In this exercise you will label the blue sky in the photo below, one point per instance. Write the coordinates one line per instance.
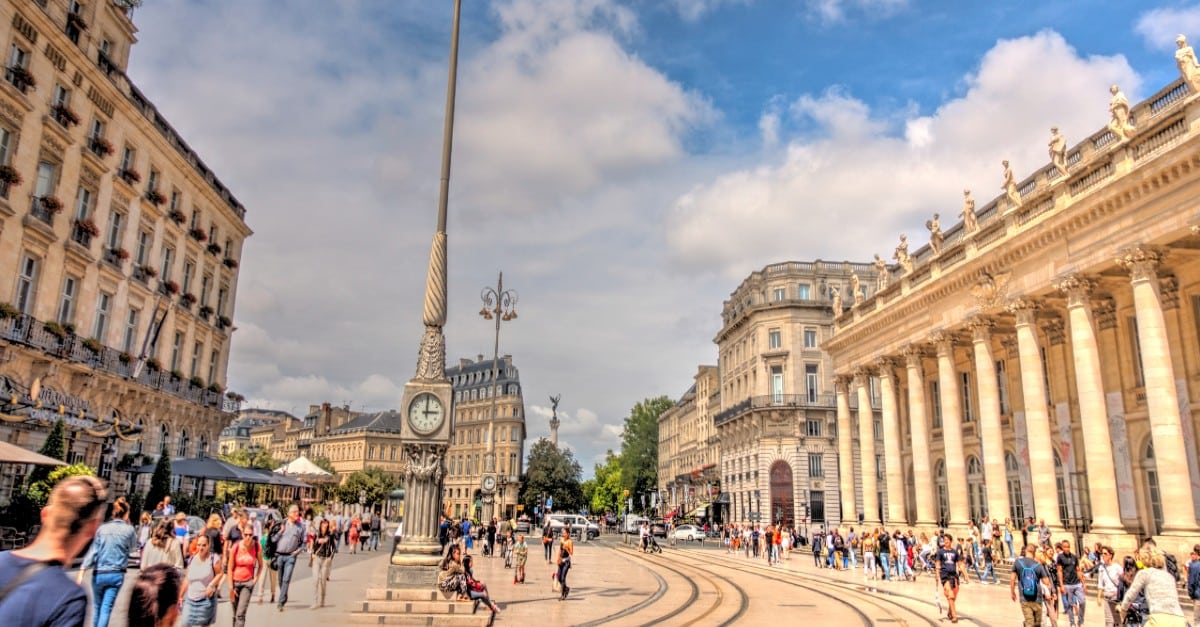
(626, 163)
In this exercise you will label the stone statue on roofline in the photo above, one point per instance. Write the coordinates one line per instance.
(901, 255)
(881, 273)
(1058, 151)
(837, 301)
(855, 289)
(970, 220)
(1189, 66)
(1010, 186)
(935, 234)
(1118, 107)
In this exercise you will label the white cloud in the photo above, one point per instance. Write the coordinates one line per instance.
(836, 10)
(692, 10)
(852, 179)
(1159, 27)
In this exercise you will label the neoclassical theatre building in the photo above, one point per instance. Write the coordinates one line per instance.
(109, 224)
(1040, 358)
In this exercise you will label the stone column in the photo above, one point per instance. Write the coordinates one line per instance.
(1162, 401)
(952, 437)
(897, 511)
(845, 451)
(866, 449)
(1093, 410)
(919, 428)
(1037, 419)
(991, 435)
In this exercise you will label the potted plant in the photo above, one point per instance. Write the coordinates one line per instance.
(188, 299)
(125, 357)
(9, 175)
(93, 345)
(8, 311)
(223, 321)
(216, 387)
(65, 115)
(149, 271)
(101, 146)
(205, 311)
(213, 248)
(171, 287)
(55, 329)
(230, 263)
(21, 77)
(120, 253)
(51, 204)
(153, 365)
(196, 382)
(156, 197)
(176, 216)
(87, 226)
(234, 396)
(129, 175)
(198, 234)
(177, 375)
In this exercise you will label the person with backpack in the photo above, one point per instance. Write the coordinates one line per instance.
(839, 547)
(1160, 588)
(1025, 585)
(1193, 584)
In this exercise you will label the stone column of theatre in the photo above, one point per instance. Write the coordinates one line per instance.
(919, 426)
(991, 435)
(1093, 411)
(896, 510)
(1162, 402)
(956, 461)
(866, 451)
(845, 452)
(1037, 420)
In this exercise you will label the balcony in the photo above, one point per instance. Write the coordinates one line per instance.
(45, 208)
(115, 257)
(106, 64)
(776, 401)
(60, 343)
(20, 78)
(140, 275)
(82, 232)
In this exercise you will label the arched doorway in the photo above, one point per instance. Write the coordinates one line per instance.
(782, 495)
(976, 497)
(943, 494)
(1153, 495)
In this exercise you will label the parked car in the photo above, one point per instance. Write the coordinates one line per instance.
(524, 524)
(687, 532)
(658, 528)
(577, 524)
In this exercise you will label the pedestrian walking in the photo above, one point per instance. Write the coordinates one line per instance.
(565, 552)
(145, 528)
(201, 581)
(244, 569)
(1160, 588)
(1025, 585)
(268, 552)
(951, 573)
(521, 551)
(162, 548)
(155, 598)
(868, 547)
(107, 559)
(288, 541)
(1070, 577)
(38, 593)
(376, 529)
(548, 542)
(321, 551)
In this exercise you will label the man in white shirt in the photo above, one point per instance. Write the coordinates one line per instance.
(644, 535)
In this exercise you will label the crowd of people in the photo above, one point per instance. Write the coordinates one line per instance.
(182, 571)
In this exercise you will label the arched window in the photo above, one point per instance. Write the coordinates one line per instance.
(164, 438)
(1012, 475)
(202, 450)
(976, 496)
(1152, 490)
(181, 450)
(943, 494)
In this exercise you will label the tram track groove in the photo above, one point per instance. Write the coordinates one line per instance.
(708, 576)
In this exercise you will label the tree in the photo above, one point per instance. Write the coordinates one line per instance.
(639, 446)
(606, 495)
(244, 457)
(371, 485)
(552, 472)
(56, 447)
(160, 481)
(39, 492)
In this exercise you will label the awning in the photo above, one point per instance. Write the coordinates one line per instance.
(12, 454)
(700, 512)
(217, 470)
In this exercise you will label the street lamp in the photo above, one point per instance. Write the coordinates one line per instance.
(501, 305)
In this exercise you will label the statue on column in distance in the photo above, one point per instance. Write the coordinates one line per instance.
(970, 220)
(935, 234)
(881, 273)
(1118, 107)
(1189, 66)
(901, 255)
(1058, 151)
(1010, 186)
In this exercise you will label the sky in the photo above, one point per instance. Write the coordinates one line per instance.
(625, 163)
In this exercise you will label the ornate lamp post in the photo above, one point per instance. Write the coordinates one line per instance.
(500, 305)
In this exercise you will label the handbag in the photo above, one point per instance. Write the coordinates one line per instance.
(274, 563)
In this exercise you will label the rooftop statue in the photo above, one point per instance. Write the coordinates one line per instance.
(856, 288)
(1058, 151)
(881, 273)
(1119, 108)
(837, 301)
(935, 234)
(901, 255)
(1010, 186)
(1189, 66)
(970, 220)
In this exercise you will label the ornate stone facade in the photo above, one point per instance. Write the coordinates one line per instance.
(688, 475)
(1052, 357)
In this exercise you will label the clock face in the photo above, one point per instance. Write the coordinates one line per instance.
(426, 413)
(489, 483)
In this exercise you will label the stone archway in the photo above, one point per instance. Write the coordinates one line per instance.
(783, 499)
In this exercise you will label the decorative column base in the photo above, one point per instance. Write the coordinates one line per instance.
(415, 565)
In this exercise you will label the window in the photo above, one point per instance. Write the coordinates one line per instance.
(204, 283)
(811, 382)
(152, 181)
(1138, 374)
(877, 430)
(189, 269)
(222, 295)
(62, 96)
(5, 150)
(780, 294)
(174, 205)
(127, 158)
(73, 29)
(810, 338)
(936, 400)
(18, 68)
(966, 397)
(27, 284)
(116, 225)
(212, 232)
(1002, 386)
(195, 223)
(143, 247)
(83, 203)
(103, 304)
(774, 339)
(131, 323)
(197, 349)
(813, 428)
(802, 291)
(66, 306)
(777, 383)
(176, 348)
(880, 471)
(97, 130)
(516, 431)
(816, 466)
(45, 180)
(213, 359)
(181, 452)
(168, 255)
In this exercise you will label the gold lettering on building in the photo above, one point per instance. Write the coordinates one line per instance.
(56, 57)
(25, 28)
(102, 103)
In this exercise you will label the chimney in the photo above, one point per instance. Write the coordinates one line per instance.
(480, 358)
(323, 423)
(463, 363)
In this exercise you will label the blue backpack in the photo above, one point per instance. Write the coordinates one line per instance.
(1029, 580)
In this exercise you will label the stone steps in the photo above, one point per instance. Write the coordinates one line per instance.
(406, 606)
(429, 620)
